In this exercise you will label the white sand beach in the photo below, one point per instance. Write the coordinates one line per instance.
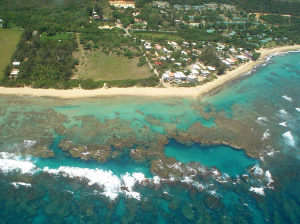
(155, 92)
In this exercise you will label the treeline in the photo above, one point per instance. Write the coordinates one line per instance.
(88, 84)
(42, 15)
(209, 57)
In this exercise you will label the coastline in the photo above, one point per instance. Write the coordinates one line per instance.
(193, 92)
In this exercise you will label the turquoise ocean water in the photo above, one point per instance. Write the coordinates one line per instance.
(232, 157)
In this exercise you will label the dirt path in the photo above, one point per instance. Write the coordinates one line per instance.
(80, 47)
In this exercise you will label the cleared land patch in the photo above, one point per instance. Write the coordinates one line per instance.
(99, 66)
(8, 41)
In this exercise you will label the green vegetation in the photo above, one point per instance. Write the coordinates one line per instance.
(99, 66)
(8, 41)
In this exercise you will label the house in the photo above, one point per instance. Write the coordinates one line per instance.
(210, 68)
(158, 63)
(226, 62)
(195, 72)
(248, 54)
(187, 7)
(179, 76)
(196, 67)
(233, 51)
(173, 59)
(158, 48)
(192, 78)
(96, 16)
(165, 77)
(16, 63)
(178, 63)
(230, 61)
(196, 8)
(205, 72)
(242, 57)
(228, 7)
(135, 14)
(166, 51)
(178, 7)
(211, 6)
(178, 21)
(147, 47)
(183, 53)
(106, 19)
(174, 43)
(185, 44)
(14, 72)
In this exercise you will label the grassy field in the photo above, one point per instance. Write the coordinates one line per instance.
(8, 41)
(171, 37)
(98, 66)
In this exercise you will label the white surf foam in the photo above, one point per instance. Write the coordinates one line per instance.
(258, 190)
(266, 135)
(287, 98)
(10, 165)
(17, 184)
(261, 119)
(283, 124)
(288, 138)
(297, 109)
(112, 185)
(269, 179)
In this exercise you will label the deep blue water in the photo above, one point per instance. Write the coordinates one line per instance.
(189, 183)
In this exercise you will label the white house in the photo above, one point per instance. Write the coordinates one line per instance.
(165, 77)
(230, 61)
(178, 63)
(195, 72)
(210, 68)
(192, 78)
(196, 67)
(183, 53)
(174, 43)
(226, 62)
(16, 63)
(179, 75)
(205, 72)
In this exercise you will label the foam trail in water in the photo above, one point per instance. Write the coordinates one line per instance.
(287, 98)
(266, 135)
(17, 184)
(289, 139)
(258, 190)
(283, 124)
(297, 109)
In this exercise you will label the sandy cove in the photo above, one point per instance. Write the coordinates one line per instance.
(193, 92)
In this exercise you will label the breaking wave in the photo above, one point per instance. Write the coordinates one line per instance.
(288, 138)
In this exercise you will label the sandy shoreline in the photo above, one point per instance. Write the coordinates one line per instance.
(193, 92)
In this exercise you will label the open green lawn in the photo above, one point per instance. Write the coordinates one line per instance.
(170, 36)
(8, 41)
(58, 36)
(99, 66)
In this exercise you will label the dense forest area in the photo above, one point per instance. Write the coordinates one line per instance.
(53, 16)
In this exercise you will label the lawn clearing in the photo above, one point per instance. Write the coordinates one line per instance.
(9, 39)
(99, 66)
